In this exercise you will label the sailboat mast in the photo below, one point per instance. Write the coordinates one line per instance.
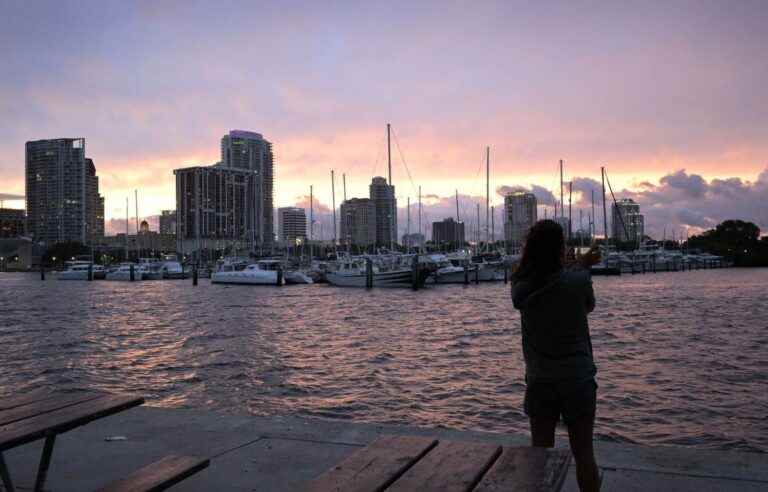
(562, 212)
(592, 218)
(393, 210)
(570, 219)
(487, 193)
(408, 224)
(344, 183)
(311, 213)
(605, 209)
(457, 220)
(478, 237)
(126, 228)
(333, 206)
(493, 228)
(420, 231)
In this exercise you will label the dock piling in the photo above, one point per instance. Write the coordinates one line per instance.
(368, 273)
(415, 272)
(42, 271)
(466, 275)
(194, 275)
(133, 274)
(279, 276)
(90, 272)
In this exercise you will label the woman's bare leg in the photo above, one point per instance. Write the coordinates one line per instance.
(580, 435)
(543, 431)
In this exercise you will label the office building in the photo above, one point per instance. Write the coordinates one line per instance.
(249, 150)
(291, 224)
(62, 192)
(519, 216)
(358, 222)
(12, 222)
(385, 205)
(448, 231)
(627, 223)
(218, 207)
(167, 222)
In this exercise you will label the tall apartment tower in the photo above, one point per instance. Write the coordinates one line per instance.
(95, 204)
(627, 223)
(385, 204)
(62, 192)
(217, 206)
(519, 215)
(250, 151)
(358, 222)
(291, 224)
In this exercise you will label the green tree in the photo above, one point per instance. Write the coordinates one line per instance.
(736, 240)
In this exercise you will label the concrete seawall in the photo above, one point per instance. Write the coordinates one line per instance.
(280, 453)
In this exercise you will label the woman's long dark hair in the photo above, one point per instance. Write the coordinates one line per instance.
(542, 254)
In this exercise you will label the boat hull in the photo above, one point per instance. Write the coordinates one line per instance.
(399, 278)
(295, 277)
(239, 278)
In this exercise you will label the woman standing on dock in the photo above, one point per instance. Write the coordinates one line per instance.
(554, 299)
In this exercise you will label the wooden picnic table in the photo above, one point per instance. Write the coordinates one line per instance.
(45, 415)
(411, 463)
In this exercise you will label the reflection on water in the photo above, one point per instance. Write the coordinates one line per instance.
(682, 356)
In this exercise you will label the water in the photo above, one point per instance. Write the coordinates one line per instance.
(681, 356)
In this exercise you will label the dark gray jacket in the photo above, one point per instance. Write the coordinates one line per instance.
(556, 342)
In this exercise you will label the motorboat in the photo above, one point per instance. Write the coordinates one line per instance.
(173, 270)
(446, 272)
(152, 269)
(297, 277)
(78, 270)
(264, 272)
(386, 272)
(123, 272)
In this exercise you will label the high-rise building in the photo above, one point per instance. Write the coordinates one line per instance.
(627, 223)
(448, 231)
(385, 204)
(519, 216)
(11, 222)
(95, 203)
(291, 224)
(217, 207)
(168, 222)
(249, 150)
(358, 222)
(62, 190)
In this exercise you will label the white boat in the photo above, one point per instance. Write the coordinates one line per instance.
(297, 277)
(351, 272)
(78, 270)
(172, 269)
(123, 272)
(260, 273)
(446, 271)
(152, 269)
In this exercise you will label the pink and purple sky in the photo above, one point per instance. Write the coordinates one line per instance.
(672, 97)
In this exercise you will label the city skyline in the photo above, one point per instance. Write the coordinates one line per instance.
(647, 91)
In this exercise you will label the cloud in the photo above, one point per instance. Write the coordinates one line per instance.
(543, 195)
(303, 201)
(688, 201)
(11, 196)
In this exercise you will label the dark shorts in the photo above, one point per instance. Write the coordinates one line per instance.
(566, 398)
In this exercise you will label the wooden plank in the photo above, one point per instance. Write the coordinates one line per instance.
(64, 419)
(453, 466)
(159, 475)
(374, 467)
(26, 399)
(527, 469)
(44, 406)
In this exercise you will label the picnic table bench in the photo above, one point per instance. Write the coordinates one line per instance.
(45, 415)
(411, 463)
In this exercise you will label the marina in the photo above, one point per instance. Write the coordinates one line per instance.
(680, 355)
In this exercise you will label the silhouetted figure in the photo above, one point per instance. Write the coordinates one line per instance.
(554, 298)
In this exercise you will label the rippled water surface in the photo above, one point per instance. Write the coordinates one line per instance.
(681, 356)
